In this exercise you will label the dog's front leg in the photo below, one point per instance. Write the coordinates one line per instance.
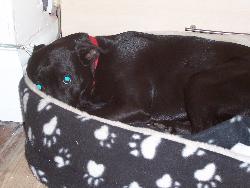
(126, 114)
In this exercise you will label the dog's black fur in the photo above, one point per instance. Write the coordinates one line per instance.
(183, 82)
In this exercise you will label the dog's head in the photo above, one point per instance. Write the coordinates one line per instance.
(64, 69)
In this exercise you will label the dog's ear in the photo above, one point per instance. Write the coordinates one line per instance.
(88, 56)
(36, 48)
(92, 55)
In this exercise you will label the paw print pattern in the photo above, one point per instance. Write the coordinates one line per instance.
(134, 184)
(237, 118)
(43, 104)
(94, 173)
(25, 99)
(82, 118)
(189, 150)
(167, 182)
(31, 137)
(106, 139)
(63, 158)
(207, 176)
(39, 174)
(146, 148)
(210, 141)
(25, 90)
(245, 166)
(51, 132)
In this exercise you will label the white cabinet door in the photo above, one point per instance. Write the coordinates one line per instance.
(114, 16)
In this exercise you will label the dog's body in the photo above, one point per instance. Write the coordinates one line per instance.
(186, 83)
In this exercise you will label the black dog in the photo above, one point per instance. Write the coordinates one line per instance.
(183, 82)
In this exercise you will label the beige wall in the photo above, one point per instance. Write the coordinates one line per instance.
(114, 16)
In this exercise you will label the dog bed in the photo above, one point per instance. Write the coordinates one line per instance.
(68, 148)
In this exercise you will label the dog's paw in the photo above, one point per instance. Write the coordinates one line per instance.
(146, 147)
(51, 132)
(235, 119)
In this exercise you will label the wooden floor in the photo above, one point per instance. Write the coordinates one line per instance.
(14, 171)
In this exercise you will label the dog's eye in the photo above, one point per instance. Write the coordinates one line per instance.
(67, 79)
(39, 86)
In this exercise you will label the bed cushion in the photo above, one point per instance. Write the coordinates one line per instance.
(69, 148)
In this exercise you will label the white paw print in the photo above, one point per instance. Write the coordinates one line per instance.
(31, 137)
(207, 176)
(237, 118)
(39, 174)
(189, 150)
(44, 103)
(245, 166)
(94, 173)
(134, 184)
(167, 182)
(25, 99)
(210, 141)
(51, 132)
(146, 147)
(106, 139)
(63, 158)
(25, 90)
(82, 118)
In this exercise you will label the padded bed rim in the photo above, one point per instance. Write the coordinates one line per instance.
(145, 131)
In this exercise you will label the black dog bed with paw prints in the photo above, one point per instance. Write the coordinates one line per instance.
(69, 148)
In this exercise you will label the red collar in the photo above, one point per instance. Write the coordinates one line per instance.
(94, 42)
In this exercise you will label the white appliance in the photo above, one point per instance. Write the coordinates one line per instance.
(22, 23)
